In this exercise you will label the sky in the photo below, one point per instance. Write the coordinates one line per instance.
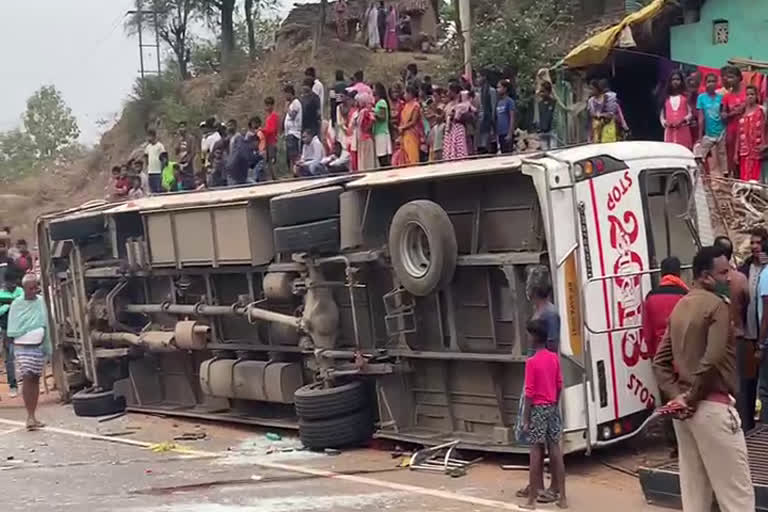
(77, 45)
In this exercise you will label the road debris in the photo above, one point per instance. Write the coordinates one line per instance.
(105, 419)
(272, 436)
(440, 458)
(191, 436)
(118, 433)
(332, 451)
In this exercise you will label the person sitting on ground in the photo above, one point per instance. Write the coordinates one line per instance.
(10, 292)
(28, 327)
(137, 191)
(312, 154)
(541, 413)
(338, 161)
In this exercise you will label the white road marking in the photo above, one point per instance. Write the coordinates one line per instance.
(424, 491)
(10, 431)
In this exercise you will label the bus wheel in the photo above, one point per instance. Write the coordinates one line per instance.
(353, 429)
(422, 245)
(93, 403)
(315, 402)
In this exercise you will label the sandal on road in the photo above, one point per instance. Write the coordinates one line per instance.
(547, 497)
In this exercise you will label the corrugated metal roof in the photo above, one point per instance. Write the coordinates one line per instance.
(439, 170)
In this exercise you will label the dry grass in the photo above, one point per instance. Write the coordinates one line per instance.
(72, 184)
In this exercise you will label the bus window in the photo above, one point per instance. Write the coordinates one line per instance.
(666, 196)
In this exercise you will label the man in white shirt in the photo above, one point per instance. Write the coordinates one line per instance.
(312, 155)
(292, 126)
(152, 159)
(210, 137)
(317, 88)
(338, 161)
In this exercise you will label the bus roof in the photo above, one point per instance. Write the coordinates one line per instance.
(437, 170)
(624, 151)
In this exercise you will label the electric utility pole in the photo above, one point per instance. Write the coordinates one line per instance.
(466, 28)
(140, 13)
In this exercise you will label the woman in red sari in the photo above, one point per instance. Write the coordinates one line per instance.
(751, 137)
(733, 108)
(676, 115)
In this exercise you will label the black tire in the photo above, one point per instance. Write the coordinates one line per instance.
(103, 403)
(317, 237)
(351, 430)
(313, 402)
(418, 272)
(305, 206)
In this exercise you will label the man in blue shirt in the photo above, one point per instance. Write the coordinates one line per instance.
(711, 128)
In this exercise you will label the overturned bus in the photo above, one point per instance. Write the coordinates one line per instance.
(389, 303)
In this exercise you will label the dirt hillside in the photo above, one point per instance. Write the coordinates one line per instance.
(69, 185)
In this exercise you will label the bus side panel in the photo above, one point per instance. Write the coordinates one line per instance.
(616, 242)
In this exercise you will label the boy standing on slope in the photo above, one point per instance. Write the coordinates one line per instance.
(541, 414)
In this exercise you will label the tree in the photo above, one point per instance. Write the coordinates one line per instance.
(173, 17)
(224, 11)
(520, 39)
(254, 10)
(50, 123)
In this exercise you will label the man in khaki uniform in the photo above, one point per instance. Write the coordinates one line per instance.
(696, 364)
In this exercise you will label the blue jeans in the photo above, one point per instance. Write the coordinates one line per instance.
(10, 367)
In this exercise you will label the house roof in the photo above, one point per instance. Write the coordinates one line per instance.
(595, 49)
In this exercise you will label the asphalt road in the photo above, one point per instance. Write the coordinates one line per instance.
(81, 464)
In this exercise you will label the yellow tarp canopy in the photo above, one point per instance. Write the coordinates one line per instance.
(595, 49)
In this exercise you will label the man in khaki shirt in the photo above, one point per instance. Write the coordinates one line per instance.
(696, 364)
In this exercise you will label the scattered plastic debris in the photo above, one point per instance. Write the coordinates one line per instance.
(272, 436)
(190, 436)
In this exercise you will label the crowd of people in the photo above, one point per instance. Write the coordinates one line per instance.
(711, 364)
(384, 27)
(717, 116)
(351, 126)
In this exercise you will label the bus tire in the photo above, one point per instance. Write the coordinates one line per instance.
(305, 206)
(350, 430)
(93, 403)
(314, 402)
(422, 246)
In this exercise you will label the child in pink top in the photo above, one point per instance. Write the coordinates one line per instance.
(541, 415)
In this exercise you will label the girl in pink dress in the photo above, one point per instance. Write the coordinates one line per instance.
(676, 116)
(751, 129)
